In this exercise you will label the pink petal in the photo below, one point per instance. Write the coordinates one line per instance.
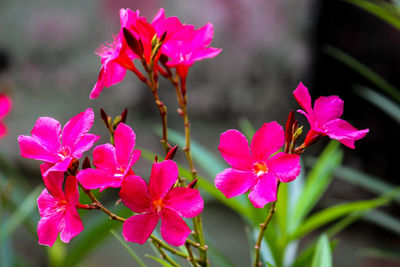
(232, 182)
(174, 230)
(267, 140)
(77, 127)
(104, 157)
(60, 166)
(134, 194)
(48, 133)
(48, 226)
(135, 156)
(169, 25)
(99, 86)
(53, 181)
(71, 224)
(3, 130)
(235, 150)
(208, 52)
(342, 131)
(163, 177)
(5, 105)
(159, 16)
(113, 73)
(84, 144)
(285, 167)
(186, 202)
(203, 36)
(124, 138)
(264, 191)
(31, 148)
(303, 98)
(97, 178)
(327, 108)
(71, 190)
(138, 228)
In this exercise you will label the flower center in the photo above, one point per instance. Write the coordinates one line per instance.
(158, 205)
(64, 152)
(260, 168)
(120, 172)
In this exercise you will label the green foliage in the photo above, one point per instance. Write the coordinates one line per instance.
(322, 255)
(135, 257)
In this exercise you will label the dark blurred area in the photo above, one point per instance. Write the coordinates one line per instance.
(48, 67)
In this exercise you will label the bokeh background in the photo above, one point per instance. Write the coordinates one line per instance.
(48, 68)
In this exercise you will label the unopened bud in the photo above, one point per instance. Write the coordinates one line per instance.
(117, 121)
(104, 117)
(192, 184)
(124, 114)
(154, 41)
(289, 127)
(180, 112)
(133, 43)
(162, 38)
(86, 164)
(171, 152)
(155, 159)
(297, 133)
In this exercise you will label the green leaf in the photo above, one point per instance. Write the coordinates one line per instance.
(318, 180)
(22, 212)
(306, 256)
(128, 248)
(332, 213)
(384, 220)
(93, 236)
(382, 10)
(208, 162)
(266, 252)
(56, 253)
(380, 253)
(364, 71)
(385, 104)
(323, 255)
(162, 262)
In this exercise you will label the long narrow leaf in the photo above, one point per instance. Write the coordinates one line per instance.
(384, 220)
(23, 211)
(323, 255)
(364, 71)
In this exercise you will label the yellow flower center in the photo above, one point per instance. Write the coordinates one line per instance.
(158, 205)
(260, 168)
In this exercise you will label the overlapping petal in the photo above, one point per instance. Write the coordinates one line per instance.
(186, 202)
(104, 157)
(267, 140)
(134, 194)
(327, 108)
(124, 143)
(71, 225)
(235, 150)
(174, 230)
(31, 148)
(264, 191)
(163, 177)
(47, 131)
(139, 227)
(97, 178)
(77, 127)
(233, 182)
(285, 167)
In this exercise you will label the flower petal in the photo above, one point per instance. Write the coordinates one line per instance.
(124, 138)
(53, 180)
(104, 157)
(60, 166)
(285, 167)
(84, 144)
(232, 182)
(174, 230)
(76, 127)
(71, 225)
(31, 148)
(138, 228)
(235, 150)
(71, 190)
(163, 177)
(267, 140)
(3, 129)
(327, 108)
(48, 226)
(264, 191)
(186, 202)
(134, 194)
(97, 178)
(342, 131)
(5, 105)
(48, 132)
(303, 98)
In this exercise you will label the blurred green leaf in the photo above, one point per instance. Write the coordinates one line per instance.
(332, 213)
(383, 10)
(385, 104)
(317, 181)
(56, 253)
(384, 220)
(265, 250)
(306, 256)
(380, 253)
(162, 262)
(128, 248)
(93, 236)
(323, 255)
(217, 257)
(23, 211)
(247, 128)
(364, 71)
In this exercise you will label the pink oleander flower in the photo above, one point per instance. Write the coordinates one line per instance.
(5, 107)
(59, 147)
(58, 209)
(324, 118)
(257, 169)
(112, 164)
(188, 45)
(159, 199)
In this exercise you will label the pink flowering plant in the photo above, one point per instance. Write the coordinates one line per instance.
(265, 175)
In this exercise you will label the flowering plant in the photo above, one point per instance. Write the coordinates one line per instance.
(266, 168)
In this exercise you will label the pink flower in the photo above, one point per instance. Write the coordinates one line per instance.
(324, 118)
(57, 209)
(113, 164)
(5, 107)
(188, 45)
(159, 199)
(257, 169)
(48, 143)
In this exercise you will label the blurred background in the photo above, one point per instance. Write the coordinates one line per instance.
(48, 68)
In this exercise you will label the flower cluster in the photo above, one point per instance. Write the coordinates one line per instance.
(180, 45)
